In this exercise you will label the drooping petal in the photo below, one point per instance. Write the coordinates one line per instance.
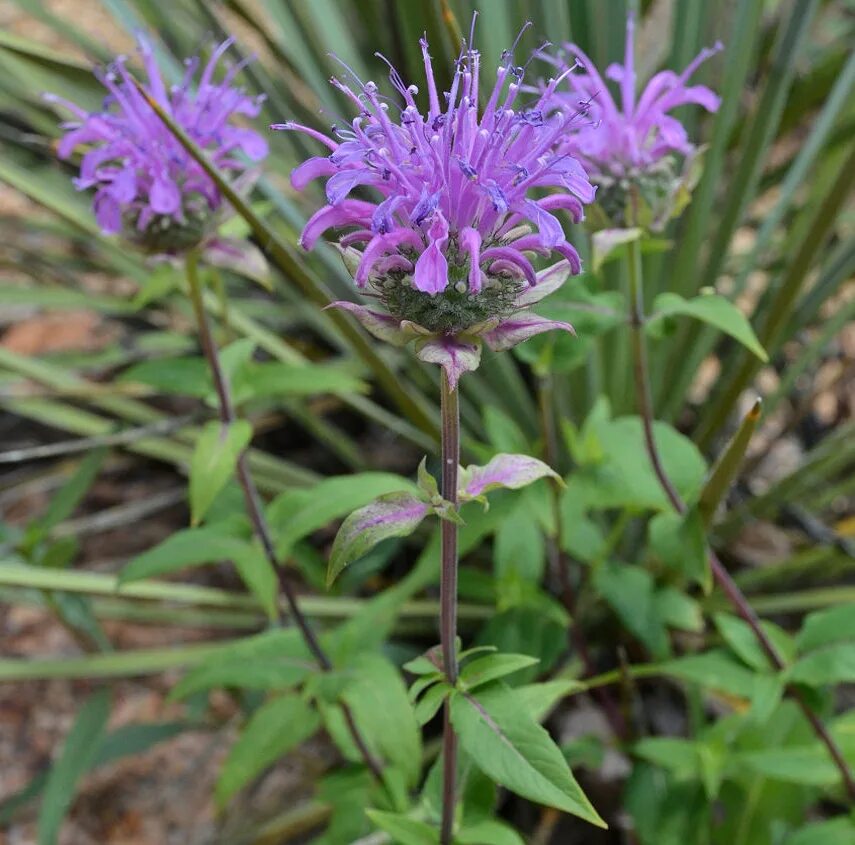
(455, 355)
(513, 257)
(108, 212)
(311, 169)
(346, 213)
(431, 275)
(378, 246)
(164, 197)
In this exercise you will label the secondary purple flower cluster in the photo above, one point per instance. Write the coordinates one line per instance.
(148, 185)
(639, 132)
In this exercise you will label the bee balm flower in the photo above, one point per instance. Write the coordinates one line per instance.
(631, 143)
(147, 185)
(446, 242)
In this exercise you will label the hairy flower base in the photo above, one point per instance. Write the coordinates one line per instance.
(459, 352)
(646, 196)
(163, 235)
(454, 309)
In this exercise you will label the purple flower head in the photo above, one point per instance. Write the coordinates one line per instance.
(639, 131)
(634, 139)
(147, 185)
(447, 240)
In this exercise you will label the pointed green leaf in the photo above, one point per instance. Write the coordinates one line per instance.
(279, 725)
(213, 462)
(492, 667)
(78, 753)
(431, 701)
(403, 829)
(488, 832)
(708, 308)
(496, 730)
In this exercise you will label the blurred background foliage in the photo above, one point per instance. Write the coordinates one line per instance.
(104, 394)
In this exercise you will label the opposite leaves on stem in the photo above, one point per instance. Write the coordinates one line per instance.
(399, 514)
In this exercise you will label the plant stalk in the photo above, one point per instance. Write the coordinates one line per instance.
(720, 574)
(253, 500)
(450, 413)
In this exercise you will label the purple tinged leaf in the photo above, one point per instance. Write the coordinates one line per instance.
(504, 470)
(520, 327)
(548, 281)
(392, 515)
(383, 326)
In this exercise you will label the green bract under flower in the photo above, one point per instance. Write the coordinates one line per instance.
(453, 310)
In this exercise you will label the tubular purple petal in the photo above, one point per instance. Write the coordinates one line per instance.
(149, 176)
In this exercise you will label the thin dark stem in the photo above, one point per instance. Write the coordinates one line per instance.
(722, 577)
(253, 501)
(448, 597)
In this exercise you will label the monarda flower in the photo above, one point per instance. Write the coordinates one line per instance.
(148, 187)
(446, 240)
(630, 148)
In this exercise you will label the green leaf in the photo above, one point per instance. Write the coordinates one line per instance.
(282, 672)
(213, 463)
(617, 473)
(839, 831)
(713, 670)
(195, 546)
(278, 379)
(503, 431)
(743, 642)
(392, 515)
(181, 376)
(279, 725)
(708, 308)
(297, 513)
(429, 704)
(520, 550)
(834, 664)
(825, 627)
(382, 709)
(679, 756)
(497, 731)
(631, 592)
(807, 765)
(64, 502)
(680, 542)
(492, 667)
(159, 282)
(539, 699)
(78, 753)
(403, 829)
(727, 466)
(488, 832)
(679, 610)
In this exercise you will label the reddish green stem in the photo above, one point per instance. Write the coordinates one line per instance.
(450, 413)
(722, 577)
